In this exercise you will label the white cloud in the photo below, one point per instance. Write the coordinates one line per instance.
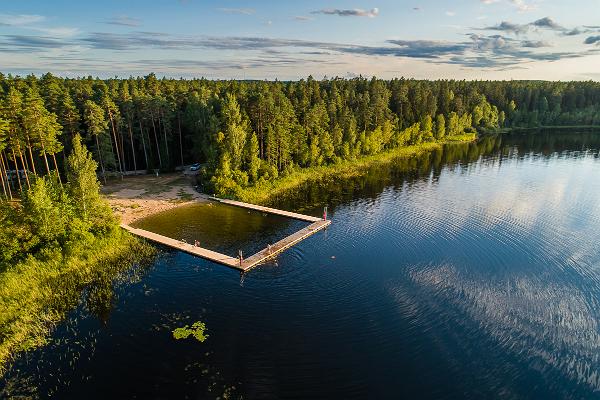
(355, 12)
(522, 6)
(244, 11)
(124, 20)
(20, 20)
(30, 22)
(58, 31)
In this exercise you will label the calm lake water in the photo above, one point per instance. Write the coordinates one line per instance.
(472, 272)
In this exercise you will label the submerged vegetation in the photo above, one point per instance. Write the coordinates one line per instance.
(58, 241)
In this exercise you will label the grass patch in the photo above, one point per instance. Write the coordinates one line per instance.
(465, 137)
(185, 196)
(37, 293)
(156, 189)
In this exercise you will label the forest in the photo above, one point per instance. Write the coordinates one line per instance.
(248, 132)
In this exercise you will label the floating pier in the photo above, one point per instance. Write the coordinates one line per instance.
(268, 210)
(240, 263)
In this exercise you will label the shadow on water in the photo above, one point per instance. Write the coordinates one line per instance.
(468, 272)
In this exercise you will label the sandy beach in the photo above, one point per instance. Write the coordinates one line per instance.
(136, 197)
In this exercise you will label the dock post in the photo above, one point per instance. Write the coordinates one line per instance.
(325, 214)
(241, 257)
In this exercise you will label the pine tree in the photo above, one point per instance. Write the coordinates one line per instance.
(427, 127)
(12, 110)
(3, 173)
(42, 127)
(97, 127)
(234, 130)
(84, 189)
(252, 159)
(440, 127)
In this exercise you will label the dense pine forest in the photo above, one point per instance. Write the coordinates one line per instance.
(246, 132)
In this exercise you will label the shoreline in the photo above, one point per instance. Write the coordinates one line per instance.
(30, 311)
(138, 197)
(263, 192)
(516, 129)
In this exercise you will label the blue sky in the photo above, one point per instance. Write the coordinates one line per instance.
(463, 39)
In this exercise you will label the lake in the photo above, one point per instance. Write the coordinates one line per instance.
(469, 272)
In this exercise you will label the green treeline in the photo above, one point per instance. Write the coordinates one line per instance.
(248, 132)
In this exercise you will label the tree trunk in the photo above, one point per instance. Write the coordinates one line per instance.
(112, 124)
(24, 169)
(5, 169)
(31, 156)
(122, 144)
(27, 162)
(100, 158)
(156, 139)
(56, 168)
(180, 142)
(2, 180)
(45, 157)
(5, 164)
(165, 135)
(144, 146)
(17, 171)
(132, 146)
(112, 148)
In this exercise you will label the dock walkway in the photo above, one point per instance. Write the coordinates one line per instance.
(185, 247)
(283, 244)
(267, 210)
(244, 264)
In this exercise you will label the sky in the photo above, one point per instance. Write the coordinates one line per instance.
(424, 39)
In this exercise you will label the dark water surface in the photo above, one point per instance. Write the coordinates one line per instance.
(221, 227)
(472, 272)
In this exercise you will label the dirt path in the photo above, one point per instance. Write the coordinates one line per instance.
(137, 197)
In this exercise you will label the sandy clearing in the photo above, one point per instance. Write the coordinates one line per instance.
(137, 197)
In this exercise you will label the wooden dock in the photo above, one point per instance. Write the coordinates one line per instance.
(244, 264)
(185, 247)
(268, 210)
(283, 244)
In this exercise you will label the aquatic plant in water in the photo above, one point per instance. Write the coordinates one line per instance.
(197, 330)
